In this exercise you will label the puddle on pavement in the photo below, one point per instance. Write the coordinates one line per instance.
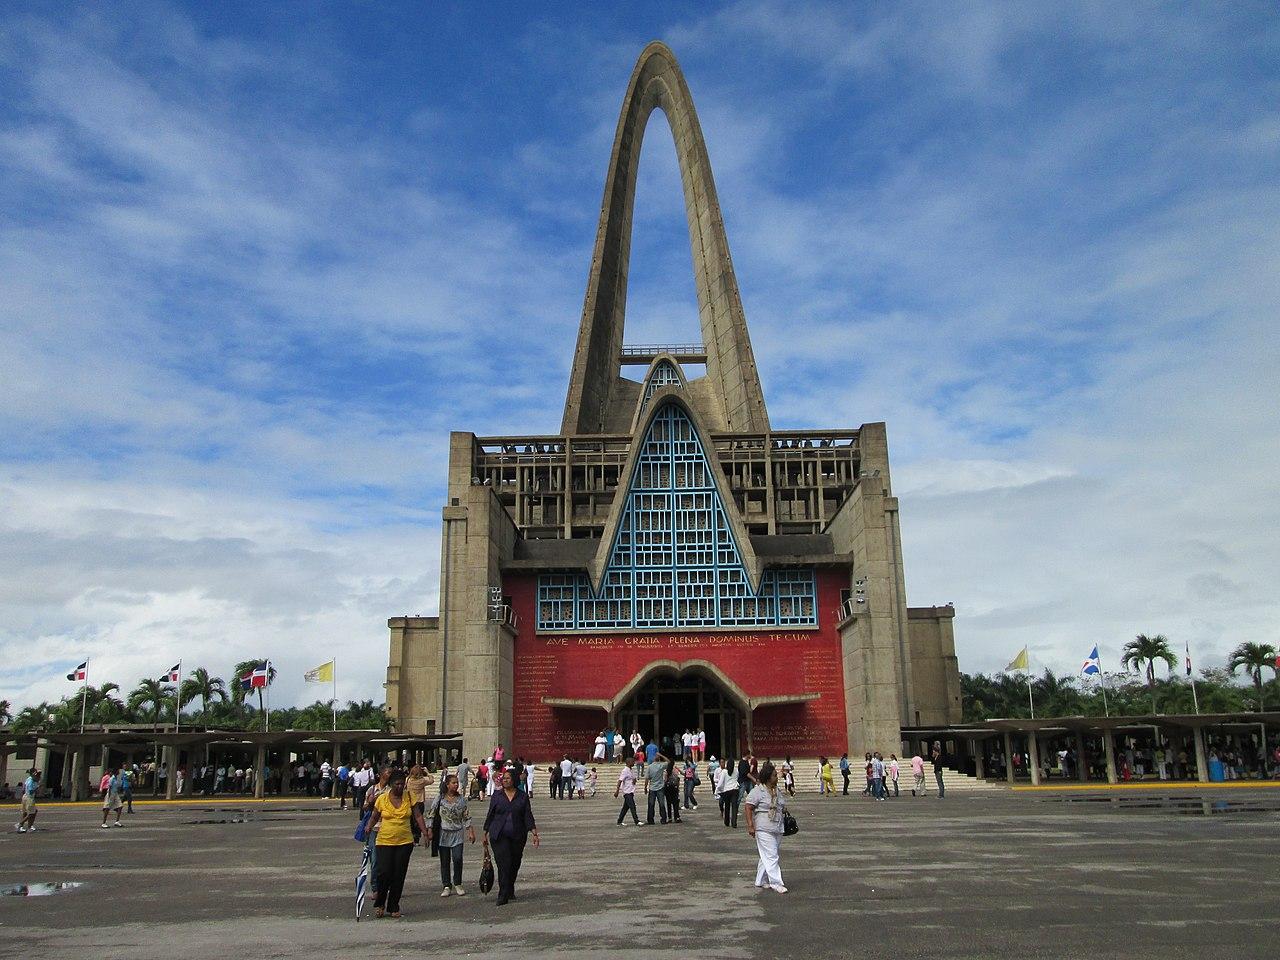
(38, 889)
(1177, 806)
(240, 816)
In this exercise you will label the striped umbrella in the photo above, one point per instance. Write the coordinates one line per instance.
(362, 881)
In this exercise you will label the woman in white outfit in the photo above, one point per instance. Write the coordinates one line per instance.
(765, 807)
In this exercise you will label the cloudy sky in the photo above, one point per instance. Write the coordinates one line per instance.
(257, 260)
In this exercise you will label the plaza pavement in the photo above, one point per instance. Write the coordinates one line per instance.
(1140, 874)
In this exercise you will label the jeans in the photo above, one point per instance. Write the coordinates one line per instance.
(507, 854)
(451, 855)
(629, 803)
(730, 802)
(689, 802)
(565, 787)
(657, 796)
(845, 774)
(393, 865)
(895, 786)
(672, 796)
(942, 792)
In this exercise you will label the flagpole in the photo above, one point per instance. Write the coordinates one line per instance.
(267, 699)
(333, 673)
(1195, 699)
(177, 700)
(1102, 677)
(1030, 698)
(84, 693)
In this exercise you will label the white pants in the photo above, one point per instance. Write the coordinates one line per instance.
(769, 870)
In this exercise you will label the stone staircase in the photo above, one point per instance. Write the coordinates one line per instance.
(806, 777)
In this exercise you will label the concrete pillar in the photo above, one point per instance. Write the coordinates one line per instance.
(1008, 756)
(979, 759)
(171, 781)
(1033, 755)
(68, 772)
(1202, 756)
(1082, 767)
(80, 775)
(259, 761)
(1109, 751)
(4, 763)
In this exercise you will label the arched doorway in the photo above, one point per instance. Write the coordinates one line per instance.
(667, 704)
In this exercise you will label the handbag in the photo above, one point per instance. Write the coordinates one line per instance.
(362, 832)
(486, 873)
(789, 826)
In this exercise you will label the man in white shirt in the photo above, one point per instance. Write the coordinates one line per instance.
(686, 744)
(627, 786)
(702, 744)
(566, 778)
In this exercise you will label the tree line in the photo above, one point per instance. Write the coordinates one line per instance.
(207, 701)
(1133, 691)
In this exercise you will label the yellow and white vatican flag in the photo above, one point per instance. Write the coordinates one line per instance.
(320, 674)
(325, 673)
(1019, 664)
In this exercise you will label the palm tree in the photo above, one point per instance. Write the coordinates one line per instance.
(201, 684)
(1057, 694)
(149, 699)
(6, 712)
(1253, 657)
(1140, 655)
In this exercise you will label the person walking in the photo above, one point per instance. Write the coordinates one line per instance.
(455, 820)
(844, 771)
(507, 827)
(867, 790)
(690, 781)
(598, 753)
(30, 787)
(626, 786)
(343, 784)
(464, 775)
(393, 812)
(126, 788)
(765, 808)
(789, 777)
(580, 780)
(416, 784)
(671, 789)
(729, 794)
(111, 801)
(877, 776)
(826, 778)
(566, 778)
(917, 776)
(637, 745)
(655, 776)
(937, 768)
(894, 772)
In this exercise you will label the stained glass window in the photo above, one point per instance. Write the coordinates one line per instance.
(674, 561)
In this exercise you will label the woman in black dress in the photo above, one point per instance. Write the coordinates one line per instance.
(507, 827)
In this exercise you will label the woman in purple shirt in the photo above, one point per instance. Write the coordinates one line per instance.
(507, 827)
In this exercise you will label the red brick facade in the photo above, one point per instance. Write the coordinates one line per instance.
(761, 662)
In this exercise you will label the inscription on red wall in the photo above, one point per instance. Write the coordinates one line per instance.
(773, 662)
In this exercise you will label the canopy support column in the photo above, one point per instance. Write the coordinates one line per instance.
(259, 763)
(1109, 750)
(1082, 765)
(1008, 756)
(1033, 757)
(1202, 757)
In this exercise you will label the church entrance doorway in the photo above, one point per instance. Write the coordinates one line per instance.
(667, 705)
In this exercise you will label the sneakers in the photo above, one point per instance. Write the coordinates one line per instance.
(104, 825)
(446, 892)
(20, 828)
(459, 891)
(117, 824)
(777, 888)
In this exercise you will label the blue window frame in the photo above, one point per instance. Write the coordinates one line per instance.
(664, 375)
(674, 561)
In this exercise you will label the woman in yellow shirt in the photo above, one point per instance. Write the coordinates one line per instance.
(393, 812)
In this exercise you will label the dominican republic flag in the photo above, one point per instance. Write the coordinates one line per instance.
(174, 674)
(80, 673)
(1092, 666)
(259, 676)
(1189, 658)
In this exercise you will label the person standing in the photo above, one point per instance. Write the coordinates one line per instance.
(637, 744)
(844, 771)
(499, 755)
(651, 750)
(917, 776)
(580, 780)
(686, 743)
(789, 777)
(111, 790)
(597, 754)
(126, 788)
(826, 778)
(937, 768)
(608, 744)
(765, 808)
(656, 776)
(416, 784)
(619, 745)
(702, 744)
(326, 779)
(566, 777)
(455, 820)
(627, 787)
(343, 785)
(729, 794)
(690, 779)
(894, 772)
(507, 827)
(393, 812)
(30, 787)
(877, 776)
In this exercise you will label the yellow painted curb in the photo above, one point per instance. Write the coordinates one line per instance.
(1154, 785)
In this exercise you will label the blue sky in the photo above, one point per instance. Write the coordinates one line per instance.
(257, 260)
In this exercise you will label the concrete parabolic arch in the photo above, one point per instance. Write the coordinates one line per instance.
(657, 82)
